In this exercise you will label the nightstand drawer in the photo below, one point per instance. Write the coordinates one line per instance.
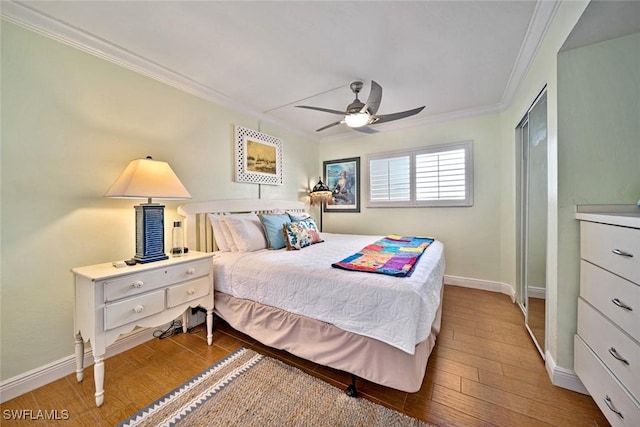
(189, 270)
(616, 350)
(134, 284)
(137, 283)
(606, 391)
(188, 291)
(613, 248)
(132, 309)
(615, 297)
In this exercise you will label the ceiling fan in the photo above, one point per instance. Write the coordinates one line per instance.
(359, 116)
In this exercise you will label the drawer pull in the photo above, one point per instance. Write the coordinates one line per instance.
(620, 304)
(191, 271)
(137, 284)
(191, 291)
(622, 253)
(615, 354)
(607, 400)
(138, 308)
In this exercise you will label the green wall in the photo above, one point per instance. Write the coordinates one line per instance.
(471, 234)
(71, 122)
(598, 152)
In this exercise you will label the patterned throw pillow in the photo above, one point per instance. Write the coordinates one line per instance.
(298, 235)
(308, 223)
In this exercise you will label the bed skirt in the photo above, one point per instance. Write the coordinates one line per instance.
(328, 345)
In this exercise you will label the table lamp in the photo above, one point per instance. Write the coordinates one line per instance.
(320, 195)
(149, 179)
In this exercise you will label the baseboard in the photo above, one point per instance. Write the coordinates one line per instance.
(536, 292)
(30, 380)
(563, 377)
(486, 285)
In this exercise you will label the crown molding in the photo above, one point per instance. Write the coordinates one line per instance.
(45, 25)
(539, 24)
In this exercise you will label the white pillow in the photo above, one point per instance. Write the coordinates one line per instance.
(246, 232)
(218, 233)
(227, 235)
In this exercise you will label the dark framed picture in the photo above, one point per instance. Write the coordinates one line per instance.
(343, 179)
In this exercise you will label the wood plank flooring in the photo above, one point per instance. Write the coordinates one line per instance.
(536, 310)
(484, 371)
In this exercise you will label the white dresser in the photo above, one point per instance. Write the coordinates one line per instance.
(607, 343)
(112, 301)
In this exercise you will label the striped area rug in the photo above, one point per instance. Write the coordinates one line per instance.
(249, 389)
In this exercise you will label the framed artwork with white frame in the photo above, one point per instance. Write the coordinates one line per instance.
(258, 157)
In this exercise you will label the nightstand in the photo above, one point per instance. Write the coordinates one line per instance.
(111, 301)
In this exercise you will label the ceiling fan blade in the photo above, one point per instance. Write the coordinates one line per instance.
(396, 116)
(365, 129)
(329, 125)
(326, 110)
(375, 97)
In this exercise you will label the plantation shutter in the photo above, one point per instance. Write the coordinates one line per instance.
(441, 175)
(390, 179)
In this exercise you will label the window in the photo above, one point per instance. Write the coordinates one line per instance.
(441, 175)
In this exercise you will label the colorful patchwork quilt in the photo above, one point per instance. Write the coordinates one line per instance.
(393, 255)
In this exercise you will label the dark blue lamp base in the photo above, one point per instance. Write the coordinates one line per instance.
(150, 233)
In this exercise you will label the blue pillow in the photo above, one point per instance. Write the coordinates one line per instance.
(298, 216)
(272, 225)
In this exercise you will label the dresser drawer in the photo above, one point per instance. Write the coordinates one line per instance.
(189, 270)
(611, 345)
(188, 291)
(610, 294)
(613, 248)
(602, 385)
(133, 284)
(132, 309)
(137, 283)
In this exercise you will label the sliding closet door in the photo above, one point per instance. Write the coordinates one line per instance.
(533, 217)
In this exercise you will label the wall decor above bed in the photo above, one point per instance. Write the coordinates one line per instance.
(258, 157)
(343, 179)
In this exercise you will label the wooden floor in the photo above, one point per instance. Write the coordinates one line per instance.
(483, 371)
(536, 310)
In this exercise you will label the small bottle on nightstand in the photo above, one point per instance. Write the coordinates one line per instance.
(177, 239)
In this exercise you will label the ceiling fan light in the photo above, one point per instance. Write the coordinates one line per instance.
(357, 120)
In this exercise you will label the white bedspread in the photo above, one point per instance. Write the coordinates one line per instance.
(397, 311)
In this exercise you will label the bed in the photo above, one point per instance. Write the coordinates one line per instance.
(373, 326)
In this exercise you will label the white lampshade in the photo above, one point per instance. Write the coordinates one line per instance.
(147, 179)
(357, 120)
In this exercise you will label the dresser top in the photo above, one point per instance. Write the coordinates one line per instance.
(623, 215)
(107, 270)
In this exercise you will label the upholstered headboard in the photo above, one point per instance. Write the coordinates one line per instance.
(198, 228)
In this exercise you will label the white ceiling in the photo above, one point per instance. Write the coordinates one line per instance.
(458, 58)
